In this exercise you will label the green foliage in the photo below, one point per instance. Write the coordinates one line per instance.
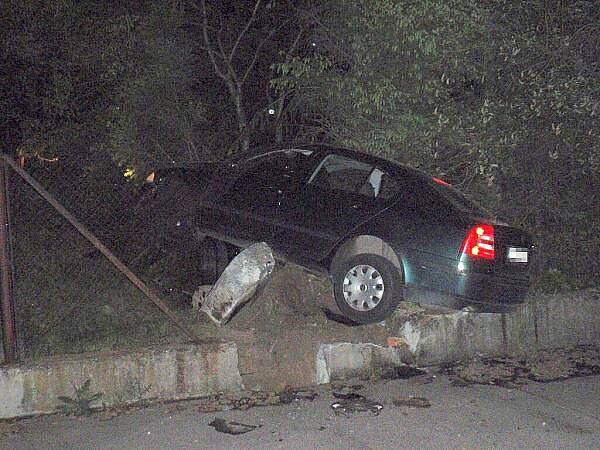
(81, 404)
(379, 72)
(499, 97)
(50, 82)
(544, 151)
(85, 80)
(155, 114)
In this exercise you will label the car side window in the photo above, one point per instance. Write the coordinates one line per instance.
(345, 174)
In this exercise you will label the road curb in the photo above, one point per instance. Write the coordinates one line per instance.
(547, 322)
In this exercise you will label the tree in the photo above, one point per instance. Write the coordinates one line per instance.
(49, 88)
(378, 74)
(157, 116)
(241, 42)
(93, 82)
(544, 91)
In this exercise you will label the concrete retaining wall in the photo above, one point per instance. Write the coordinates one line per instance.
(172, 373)
(546, 322)
(345, 360)
(163, 373)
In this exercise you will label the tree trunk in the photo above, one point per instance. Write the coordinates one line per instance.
(243, 129)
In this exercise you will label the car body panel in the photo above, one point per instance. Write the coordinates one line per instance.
(302, 201)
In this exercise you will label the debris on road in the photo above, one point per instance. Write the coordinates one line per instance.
(422, 379)
(412, 402)
(252, 399)
(290, 395)
(240, 281)
(353, 403)
(243, 401)
(543, 367)
(403, 372)
(348, 396)
(230, 427)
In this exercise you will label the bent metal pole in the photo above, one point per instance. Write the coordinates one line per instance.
(9, 334)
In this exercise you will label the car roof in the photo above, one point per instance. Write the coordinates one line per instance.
(323, 149)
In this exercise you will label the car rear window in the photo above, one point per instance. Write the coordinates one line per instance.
(459, 200)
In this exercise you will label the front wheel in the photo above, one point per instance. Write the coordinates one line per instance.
(367, 287)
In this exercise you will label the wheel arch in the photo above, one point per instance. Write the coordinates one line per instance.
(366, 244)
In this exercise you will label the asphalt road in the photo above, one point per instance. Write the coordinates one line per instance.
(543, 416)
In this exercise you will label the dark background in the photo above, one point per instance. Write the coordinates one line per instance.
(500, 98)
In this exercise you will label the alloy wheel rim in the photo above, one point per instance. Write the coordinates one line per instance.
(363, 287)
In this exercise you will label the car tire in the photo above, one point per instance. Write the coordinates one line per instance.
(367, 287)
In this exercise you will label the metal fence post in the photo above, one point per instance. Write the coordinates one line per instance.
(9, 335)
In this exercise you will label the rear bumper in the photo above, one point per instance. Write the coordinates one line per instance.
(436, 280)
(491, 289)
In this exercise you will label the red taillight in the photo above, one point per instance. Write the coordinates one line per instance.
(479, 243)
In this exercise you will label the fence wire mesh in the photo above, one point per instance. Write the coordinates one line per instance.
(68, 297)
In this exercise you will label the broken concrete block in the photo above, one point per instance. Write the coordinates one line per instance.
(240, 280)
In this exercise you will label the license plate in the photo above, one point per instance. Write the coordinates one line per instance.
(517, 254)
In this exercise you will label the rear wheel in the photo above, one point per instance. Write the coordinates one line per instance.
(367, 287)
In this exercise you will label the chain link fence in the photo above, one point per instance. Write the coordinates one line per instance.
(68, 297)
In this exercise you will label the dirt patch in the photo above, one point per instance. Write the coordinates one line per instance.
(279, 332)
(293, 300)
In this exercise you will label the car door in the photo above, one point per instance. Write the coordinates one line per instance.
(340, 194)
(263, 185)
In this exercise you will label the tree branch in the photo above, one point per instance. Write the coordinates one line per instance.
(258, 49)
(210, 51)
(243, 32)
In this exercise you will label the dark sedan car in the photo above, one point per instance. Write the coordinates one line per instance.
(382, 231)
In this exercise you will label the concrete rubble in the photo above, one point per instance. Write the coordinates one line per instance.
(240, 280)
